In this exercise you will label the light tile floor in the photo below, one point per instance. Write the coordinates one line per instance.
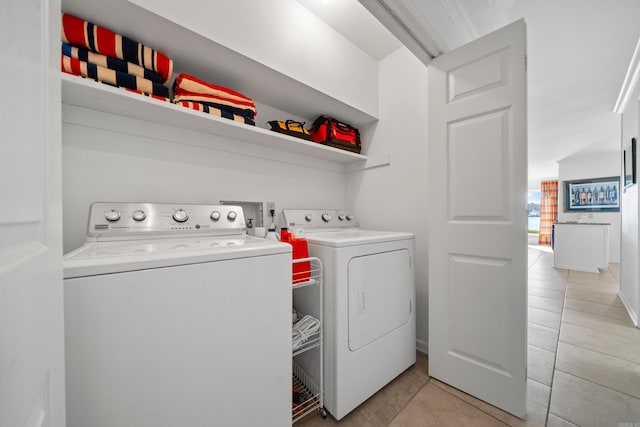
(583, 364)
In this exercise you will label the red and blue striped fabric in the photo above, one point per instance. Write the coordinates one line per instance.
(148, 95)
(186, 83)
(215, 112)
(112, 77)
(191, 90)
(110, 62)
(78, 32)
(234, 107)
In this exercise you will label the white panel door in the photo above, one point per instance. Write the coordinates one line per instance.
(477, 228)
(31, 318)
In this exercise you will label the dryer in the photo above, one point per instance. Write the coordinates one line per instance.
(175, 317)
(368, 304)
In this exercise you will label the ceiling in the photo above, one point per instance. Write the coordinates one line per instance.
(578, 52)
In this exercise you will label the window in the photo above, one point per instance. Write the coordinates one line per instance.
(533, 209)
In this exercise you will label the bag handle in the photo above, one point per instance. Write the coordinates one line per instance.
(293, 122)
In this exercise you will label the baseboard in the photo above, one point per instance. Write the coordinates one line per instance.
(422, 346)
(630, 311)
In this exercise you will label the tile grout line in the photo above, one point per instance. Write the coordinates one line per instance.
(596, 314)
(558, 416)
(409, 400)
(599, 385)
(597, 302)
(600, 352)
(575, 323)
(555, 358)
(475, 407)
(635, 362)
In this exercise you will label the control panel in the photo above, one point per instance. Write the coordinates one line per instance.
(314, 219)
(123, 220)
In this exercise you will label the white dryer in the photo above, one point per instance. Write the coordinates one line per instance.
(175, 317)
(368, 304)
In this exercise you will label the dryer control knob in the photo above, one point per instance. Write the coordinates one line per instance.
(231, 216)
(112, 215)
(215, 215)
(341, 217)
(349, 217)
(308, 217)
(139, 215)
(180, 215)
(326, 217)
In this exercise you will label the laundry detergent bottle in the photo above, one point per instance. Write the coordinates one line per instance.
(300, 249)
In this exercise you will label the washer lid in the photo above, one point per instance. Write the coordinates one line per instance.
(352, 237)
(115, 257)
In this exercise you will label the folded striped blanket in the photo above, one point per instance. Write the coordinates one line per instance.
(216, 112)
(188, 84)
(110, 62)
(78, 32)
(148, 95)
(236, 107)
(112, 77)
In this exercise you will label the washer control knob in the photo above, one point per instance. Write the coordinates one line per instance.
(231, 216)
(139, 215)
(326, 217)
(215, 215)
(341, 217)
(180, 215)
(308, 217)
(112, 215)
(349, 217)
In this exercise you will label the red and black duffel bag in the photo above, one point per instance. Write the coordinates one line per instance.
(329, 131)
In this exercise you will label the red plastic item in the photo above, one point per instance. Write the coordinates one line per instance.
(301, 270)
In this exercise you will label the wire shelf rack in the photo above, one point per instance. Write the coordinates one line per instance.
(307, 334)
(307, 395)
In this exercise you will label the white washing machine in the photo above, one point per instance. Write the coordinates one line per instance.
(368, 304)
(175, 317)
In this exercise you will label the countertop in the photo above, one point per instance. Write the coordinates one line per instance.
(582, 223)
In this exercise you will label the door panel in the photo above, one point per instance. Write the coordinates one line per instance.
(379, 295)
(477, 241)
(476, 76)
(473, 278)
(479, 193)
(31, 317)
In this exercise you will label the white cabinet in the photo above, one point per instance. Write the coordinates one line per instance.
(581, 246)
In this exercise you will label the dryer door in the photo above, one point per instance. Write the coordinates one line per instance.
(380, 295)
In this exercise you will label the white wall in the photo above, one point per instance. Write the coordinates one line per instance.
(629, 286)
(285, 36)
(591, 165)
(113, 158)
(394, 197)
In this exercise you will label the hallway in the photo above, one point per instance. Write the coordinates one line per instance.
(582, 342)
(583, 364)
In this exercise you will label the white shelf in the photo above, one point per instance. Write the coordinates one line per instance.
(101, 97)
(205, 58)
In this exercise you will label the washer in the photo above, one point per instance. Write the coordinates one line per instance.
(175, 317)
(369, 304)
